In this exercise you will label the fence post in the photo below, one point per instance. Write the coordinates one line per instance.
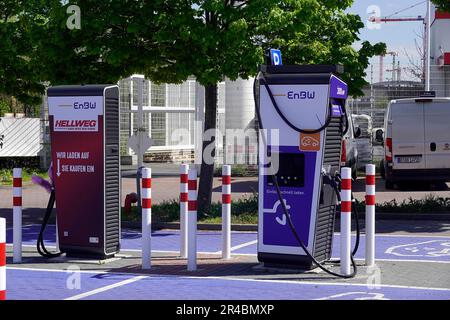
(183, 209)
(226, 212)
(146, 218)
(2, 259)
(17, 215)
(346, 212)
(192, 220)
(370, 214)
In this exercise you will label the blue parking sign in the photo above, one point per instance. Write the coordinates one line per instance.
(275, 57)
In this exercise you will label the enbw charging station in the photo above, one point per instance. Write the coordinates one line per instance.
(84, 134)
(301, 109)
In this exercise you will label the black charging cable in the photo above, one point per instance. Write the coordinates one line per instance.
(290, 124)
(335, 182)
(40, 242)
(277, 187)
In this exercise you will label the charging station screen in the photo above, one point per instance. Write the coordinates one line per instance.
(291, 170)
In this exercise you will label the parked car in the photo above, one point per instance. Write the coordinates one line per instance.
(364, 122)
(416, 140)
(377, 136)
(349, 155)
(364, 141)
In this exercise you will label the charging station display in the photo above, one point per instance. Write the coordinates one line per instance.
(84, 134)
(291, 97)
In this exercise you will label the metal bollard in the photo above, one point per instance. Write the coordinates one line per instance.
(2, 259)
(226, 212)
(183, 209)
(370, 214)
(192, 220)
(346, 215)
(17, 215)
(146, 218)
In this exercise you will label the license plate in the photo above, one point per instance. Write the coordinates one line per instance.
(414, 159)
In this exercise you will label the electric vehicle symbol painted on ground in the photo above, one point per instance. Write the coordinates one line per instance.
(431, 248)
(274, 210)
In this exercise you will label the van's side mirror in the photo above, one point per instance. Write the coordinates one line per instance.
(357, 132)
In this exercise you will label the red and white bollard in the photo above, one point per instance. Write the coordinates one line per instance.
(17, 215)
(346, 215)
(2, 259)
(226, 212)
(146, 194)
(192, 220)
(370, 214)
(183, 209)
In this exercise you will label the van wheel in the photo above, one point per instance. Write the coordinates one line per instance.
(388, 184)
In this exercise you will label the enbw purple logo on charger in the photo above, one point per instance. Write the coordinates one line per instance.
(84, 105)
(301, 95)
(340, 91)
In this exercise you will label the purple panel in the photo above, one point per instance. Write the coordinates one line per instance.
(299, 199)
(336, 110)
(338, 88)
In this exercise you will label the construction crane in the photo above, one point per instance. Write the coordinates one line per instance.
(396, 70)
(390, 17)
(387, 19)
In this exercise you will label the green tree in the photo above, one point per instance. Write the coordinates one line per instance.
(170, 40)
(114, 41)
(443, 5)
(218, 39)
(18, 77)
(4, 106)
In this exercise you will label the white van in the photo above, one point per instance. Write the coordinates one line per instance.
(417, 140)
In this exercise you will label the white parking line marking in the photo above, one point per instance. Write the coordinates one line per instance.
(246, 244)
(105, 288)
(62, 270)
(327, 283)
(239, 246)
(364, 296)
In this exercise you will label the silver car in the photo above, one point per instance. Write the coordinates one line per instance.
(349, 155)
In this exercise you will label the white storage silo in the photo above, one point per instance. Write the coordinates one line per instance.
(240, 147)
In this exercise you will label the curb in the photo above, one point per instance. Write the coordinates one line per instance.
(445, 216)
(9, 187)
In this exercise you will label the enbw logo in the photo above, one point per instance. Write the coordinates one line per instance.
(340, 91)
(301, 95)
(84, 105)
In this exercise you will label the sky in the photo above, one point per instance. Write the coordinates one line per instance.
(398, 36)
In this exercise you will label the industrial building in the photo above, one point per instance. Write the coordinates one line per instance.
(174, 114)
(440, 52)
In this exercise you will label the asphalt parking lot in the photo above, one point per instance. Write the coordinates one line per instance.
(408, 267)
(413, 258)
